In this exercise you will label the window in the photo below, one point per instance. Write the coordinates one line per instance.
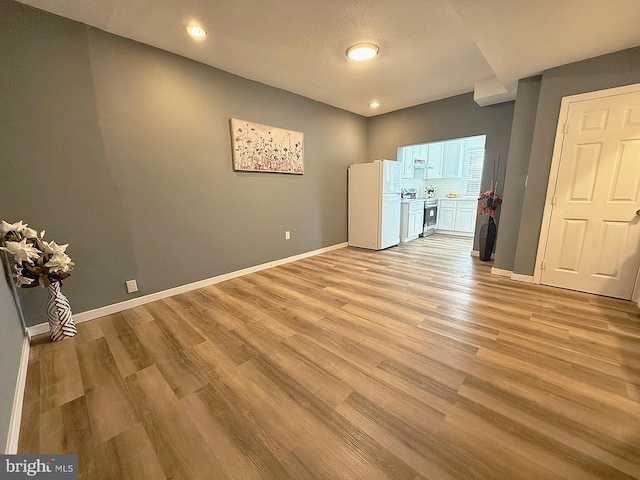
(472, 174)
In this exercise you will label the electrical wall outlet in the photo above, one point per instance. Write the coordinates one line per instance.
(287, 235)
(132, 286)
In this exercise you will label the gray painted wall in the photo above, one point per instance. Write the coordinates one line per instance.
(607, 71)
(11, 341)
(524, 117)
(123, 151)
(454, 117)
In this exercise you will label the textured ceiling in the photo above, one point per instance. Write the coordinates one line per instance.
(429, 49)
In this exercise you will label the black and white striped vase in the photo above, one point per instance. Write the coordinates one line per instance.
(61, 324)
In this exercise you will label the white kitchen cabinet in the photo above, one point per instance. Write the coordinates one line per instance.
(446, 215)
(405, 155)
(452, 160)
(411, 220)
(457, 216)
(442, 160)
(466, 213)
(434, 160)
(420, 154)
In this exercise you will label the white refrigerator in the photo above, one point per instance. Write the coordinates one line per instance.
(374, 204)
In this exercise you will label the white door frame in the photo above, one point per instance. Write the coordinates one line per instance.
(555, 165)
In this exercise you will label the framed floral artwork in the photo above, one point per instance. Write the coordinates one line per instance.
(261, 148)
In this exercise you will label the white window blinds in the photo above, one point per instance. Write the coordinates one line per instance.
(472, 175)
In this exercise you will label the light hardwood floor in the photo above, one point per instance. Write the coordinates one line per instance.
(410, 363)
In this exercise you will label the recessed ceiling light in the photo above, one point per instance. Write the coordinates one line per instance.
(362, 51)
(196, 31)
(374, 104)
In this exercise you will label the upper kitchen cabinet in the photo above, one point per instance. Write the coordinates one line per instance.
(439, 160)
(434, 160)
(405, 157)
(420, 155)
(430, 161)
(452, 160)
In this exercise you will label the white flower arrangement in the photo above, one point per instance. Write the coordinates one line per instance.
(35, 261)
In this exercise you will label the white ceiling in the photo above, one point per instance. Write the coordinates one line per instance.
(429, 49)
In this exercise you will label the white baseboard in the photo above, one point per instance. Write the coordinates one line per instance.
(41, 328)
(476, 253)
(501, 272)
(455, 233)
(135, 302)
(522, 278)
(513, 276)
(18, 399)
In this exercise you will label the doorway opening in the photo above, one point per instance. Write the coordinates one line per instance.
(447, 173)
(450, 166)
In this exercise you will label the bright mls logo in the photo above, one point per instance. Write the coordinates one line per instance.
(50, 467)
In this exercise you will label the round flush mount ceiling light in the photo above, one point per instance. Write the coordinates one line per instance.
(374, 104)
(196, 31)
(362, 51)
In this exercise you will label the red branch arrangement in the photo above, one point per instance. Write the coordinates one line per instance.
(490, 200)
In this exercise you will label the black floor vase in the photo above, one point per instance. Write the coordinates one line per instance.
(487, 239)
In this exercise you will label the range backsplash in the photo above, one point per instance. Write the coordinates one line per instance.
(444, 185)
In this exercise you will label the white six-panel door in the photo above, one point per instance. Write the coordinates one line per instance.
(593, 236)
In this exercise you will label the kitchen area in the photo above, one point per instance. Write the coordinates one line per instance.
(431, 187)
(440, 185)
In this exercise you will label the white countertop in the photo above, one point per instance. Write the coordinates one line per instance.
(457, 198)
(408, 200)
